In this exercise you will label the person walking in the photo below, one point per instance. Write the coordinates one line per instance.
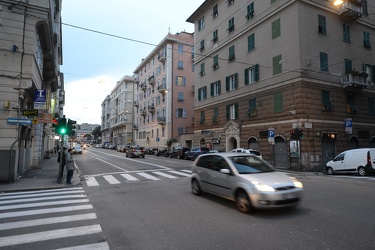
(61, 173)
(69, 166)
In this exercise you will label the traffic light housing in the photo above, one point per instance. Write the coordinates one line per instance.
(71, 127)
(61, 127)
(300, 134)
(55, 123)
(293, 134)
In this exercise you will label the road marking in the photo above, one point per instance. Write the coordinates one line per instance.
(111, 179)
(148, 176)
(49, 235)
(38, 193)
(41, 204)
(179, 173)
(90, 181)
(187, 171)
(165, 175)
(47, 221)
(44, 211)
(111, 164)
(44, 198)
(129, 177)
(96, 246)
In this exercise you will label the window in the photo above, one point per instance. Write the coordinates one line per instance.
(348, 66)
(180, 97)
(252, 107)
(346, 33)
(250, 11)
(350, 107)
(323, 62)
(322, 25)
(232, 112)
(202, 93)
(215, 12)
(277, 65)
(276, 29)
(216, 62)
(202, 118)
(327, 105)
(180, 49)
(366, 40)
(371, 106)
(180, 130)
(180, 64)
(215, 117)
(251, 42)
(252, 74)
(202, 72)
(181, 112)
(181, 81)
(231, 53)
(202, 46)
(231, 82)
(278, 102)
(231, 25)
(215, 36)
(201, 23)
(230, 2)
(216, 88)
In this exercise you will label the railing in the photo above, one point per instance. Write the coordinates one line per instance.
(359, 80)
(162, 120)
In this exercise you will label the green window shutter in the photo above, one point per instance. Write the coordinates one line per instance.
(348, 66)
(227, 79)
(246, 76)
(236, 81)
(276, 29)
(323, 62)
(228, 112)
(322, 24)
(236, 111)
(212, 89)
(276, 62)
(199, 94)
(251, 42)
(373, 73)
(219, 87)
(205, 92)
(278, 102)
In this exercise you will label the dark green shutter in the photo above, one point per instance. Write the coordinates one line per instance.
(246, 76)
(228, 112)
(236, 111)
(256, 72)
(236, 81)
(227, 83)
(212, 89)
(219, 88)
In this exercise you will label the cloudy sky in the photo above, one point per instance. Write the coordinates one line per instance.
(106, 40)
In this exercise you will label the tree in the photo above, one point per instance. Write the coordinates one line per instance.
(96, 132)
(87, 137)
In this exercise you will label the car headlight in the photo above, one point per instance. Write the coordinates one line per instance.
(296, 183)
(262, 187)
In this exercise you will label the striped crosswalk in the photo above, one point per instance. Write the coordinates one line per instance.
(38, 219)
(92, 181)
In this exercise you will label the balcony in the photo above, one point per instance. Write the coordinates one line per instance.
(143, 86)
(136, 104)
(143, 112)
(162, 57)
(351, 9)
(151, 108)
(136, 80)
(355, 80)
(135, 127)
(162, 88)
(162, 120)
(151, 80)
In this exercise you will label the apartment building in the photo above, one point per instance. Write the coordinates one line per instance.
(117, 113)
(266, 67)
(164, 96)
(31, 85)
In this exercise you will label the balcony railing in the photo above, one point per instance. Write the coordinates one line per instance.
(355, 80)
(162, 57)
(151, 108)
(162, 88)
(162, 120)
(143, 112)
(351, 9)
(136, 103)
(135, 127)
(151, 80)
(144, 86)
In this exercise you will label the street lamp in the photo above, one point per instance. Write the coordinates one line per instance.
(337, 2)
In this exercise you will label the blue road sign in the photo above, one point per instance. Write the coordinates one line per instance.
(348, 123)
(22, 121)
(157, 139)
(271, 132)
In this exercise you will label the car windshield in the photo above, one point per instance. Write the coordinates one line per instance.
(250, 165)
(77, 146)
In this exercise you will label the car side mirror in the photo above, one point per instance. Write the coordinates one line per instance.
(225, 171)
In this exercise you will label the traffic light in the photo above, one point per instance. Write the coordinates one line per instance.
(300, 134)
(55, 123)
(71, 127)
(293, 134)
(61, 127)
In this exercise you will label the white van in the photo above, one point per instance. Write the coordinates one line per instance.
(360, 160)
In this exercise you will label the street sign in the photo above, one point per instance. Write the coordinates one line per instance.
(157, 139)
(348, 125)
(30, 112)
(22, 121)
(205, 132)
(271, 136)
(40, 99)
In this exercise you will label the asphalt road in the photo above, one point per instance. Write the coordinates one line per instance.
(162, 213)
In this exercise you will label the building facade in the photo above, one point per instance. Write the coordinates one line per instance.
(117, 113)
(265, 68)
(163, 96)
(31, 85)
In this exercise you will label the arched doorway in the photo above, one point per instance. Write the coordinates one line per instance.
(232, 144)
(281, 153)
(253, 143)
(202, 143)
(353, 142)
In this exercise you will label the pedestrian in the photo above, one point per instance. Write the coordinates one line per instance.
(63, 162)
(69, 166)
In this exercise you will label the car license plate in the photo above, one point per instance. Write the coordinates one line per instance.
(289, 196)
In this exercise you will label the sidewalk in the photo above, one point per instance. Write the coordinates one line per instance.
(42, 177)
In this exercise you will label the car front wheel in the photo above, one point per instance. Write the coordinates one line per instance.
(243, 202)
(361, 171)
(195, 187)
(330, 171)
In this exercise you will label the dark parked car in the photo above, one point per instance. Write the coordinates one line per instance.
(136, 151)
(179, 152)
(193, 153)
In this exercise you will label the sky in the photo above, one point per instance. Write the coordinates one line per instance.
(100, 45)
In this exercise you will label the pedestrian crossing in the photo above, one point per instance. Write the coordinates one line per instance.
(92, 181)
(49, 219)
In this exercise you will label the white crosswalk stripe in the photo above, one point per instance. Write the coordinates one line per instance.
(31, 212)
(165, 175)
(129, 177)
(111, 179)
(148, 176)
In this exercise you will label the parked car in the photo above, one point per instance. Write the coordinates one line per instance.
(247, 151)
(179, 152)
(360, 161)
(246, 179)
(136, 151)
(77, 149)
(119, 148)
(161, 152)
(193, 153)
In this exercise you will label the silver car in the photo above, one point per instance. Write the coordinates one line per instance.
(245, 179)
